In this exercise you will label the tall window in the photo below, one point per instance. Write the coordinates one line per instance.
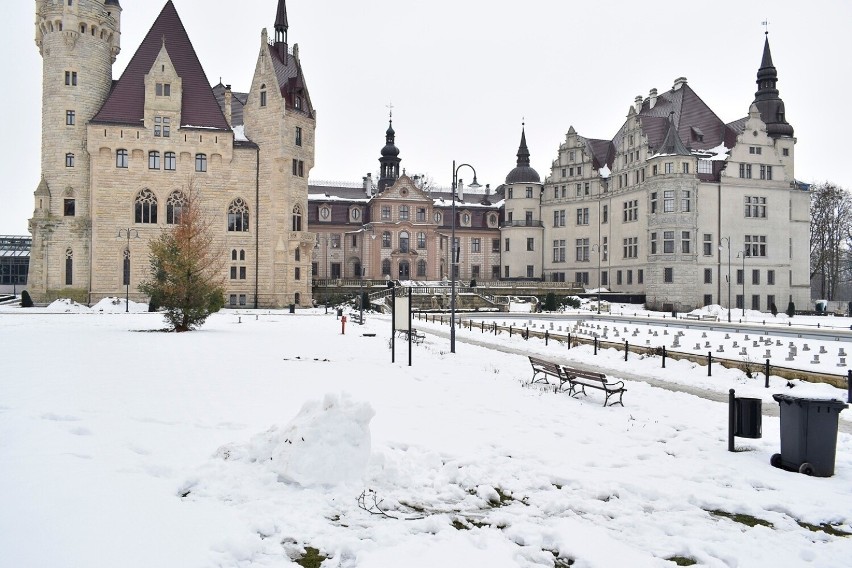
(755, 245)
(174, 207)
(507, 246)
(69, 160)
(668, 275)
(766, 172)
(755, 207)
(386, 267)
(582, 215)
(69, 207)
(121, 158)
(708, 244)
(668, 201)
(631, 210)
(559, 250)
(403, 241)
(162, 126)
(70, 78)
(386, 240)
(605, 214)
(163, 89)
(263, 96)
(421, 241)
(298, 136)
(297, 218)
(69, 267)
(685, 200)
(386, 212)
(298, 168)
(201, 162)
(708, 275)
(145, 208)
(529, 192)
(495, 245)
(745, 171)
(153, 160)
(403, 212)
(631, 247)
(654, 243)
(530, 243)
(475, 244)
(335, 240)
(169, 161)
(686, 242)
(668, 242)
(582, 250)
(70, 118)
(653, 202)
(421, 214)
(238, 216)
(421, 268)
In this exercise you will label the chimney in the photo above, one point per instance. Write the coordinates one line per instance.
(460, 190)
(652, 98)
(228, 98)
(637, 103)
(369, 184)
(679, 82)
(296, 50)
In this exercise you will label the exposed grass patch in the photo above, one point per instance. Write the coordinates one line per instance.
(824, 527)
(682, 561)
(311, 559)
(742, 518)
(465, 524)
(560, 561)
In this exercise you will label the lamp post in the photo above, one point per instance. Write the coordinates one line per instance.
(597, 247)
(454, 260)
(743, 254)
(121, 234)
(727, 241)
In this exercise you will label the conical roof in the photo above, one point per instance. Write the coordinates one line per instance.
(672, 144)
(390, 150)
(523, 172)
(767, 97)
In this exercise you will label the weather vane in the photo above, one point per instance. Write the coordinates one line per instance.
(765, 24)
(389, 106)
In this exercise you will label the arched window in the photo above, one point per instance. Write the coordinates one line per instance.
(403, 241)
(242, 254)
(238, 216)
(201, 162)
(386, 265)
(386, 240)
(169, 161)
(146, 207)
(421, 268)
(234, 254)
(174, 207)
(153, 160)
(297, 218)
(121, 158)
(263, 95)
(126, 269)
(69, 267)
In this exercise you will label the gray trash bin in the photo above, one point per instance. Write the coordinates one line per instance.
(749, 418)
(808, 435)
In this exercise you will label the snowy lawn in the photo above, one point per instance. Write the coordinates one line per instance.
(245, 444)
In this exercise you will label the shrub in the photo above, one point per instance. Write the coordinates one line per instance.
(774, 309)
(26, 301)
(571, 301)
(550, 302)
(791, 309)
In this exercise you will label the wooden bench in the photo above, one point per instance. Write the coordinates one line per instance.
(692, 316)
(417, 336)
(708, 317)
(579, 379)
(546, 369)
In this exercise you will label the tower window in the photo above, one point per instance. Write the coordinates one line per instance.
(298, 136)
(263, 98)
(153, 160)
(69, 267)
(69, 160)
(201, 162)
(298, 168)
(70, 118)
(70, 78)
(121, 158)
(162, 126)
(69, 207)
(238, 216)
(164, 89)
(145, 207)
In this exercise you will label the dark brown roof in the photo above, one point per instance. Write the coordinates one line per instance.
(126, 102)
(291, 81)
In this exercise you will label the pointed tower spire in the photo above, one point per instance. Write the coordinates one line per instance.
(523, 151)
(523, 172)
(767, 97)
(389, 162)
(281, 27)
(672, 144)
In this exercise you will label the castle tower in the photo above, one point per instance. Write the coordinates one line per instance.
(78, 41)
(389, 162)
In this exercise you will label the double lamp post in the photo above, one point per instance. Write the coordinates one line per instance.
(454, 251)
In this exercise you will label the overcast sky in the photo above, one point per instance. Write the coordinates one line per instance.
(462, 75)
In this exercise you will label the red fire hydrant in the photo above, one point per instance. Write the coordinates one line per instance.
(343, 325)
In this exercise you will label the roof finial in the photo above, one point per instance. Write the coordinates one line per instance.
(765, 24)
(389, 106)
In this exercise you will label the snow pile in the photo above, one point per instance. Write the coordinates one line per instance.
(67, 305)
(327, 443)
(111, 305)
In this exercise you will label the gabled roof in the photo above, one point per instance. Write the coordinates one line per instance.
(238, 103)
(126, 101)
(291, 81)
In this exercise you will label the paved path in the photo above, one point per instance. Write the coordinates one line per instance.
(768, 409)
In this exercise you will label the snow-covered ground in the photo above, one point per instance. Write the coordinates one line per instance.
(243, 444)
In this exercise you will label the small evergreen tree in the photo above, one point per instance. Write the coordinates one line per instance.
(26, 301)
(186, 269)
(791, 309)
(365, 300)
(774, 309)
(550, 302)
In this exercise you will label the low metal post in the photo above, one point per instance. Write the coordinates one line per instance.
(849, 386)
(596, 345)
(709, 363)
(626, 349)
(482, 326)
(546, 337)
(664, 356)
(767, 374)
(732, 419)
(510, 330)
(569, 341)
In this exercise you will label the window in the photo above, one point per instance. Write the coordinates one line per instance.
(755, 207)
(297, 104)
(153, 160)
(238, 216)
(604, 278)
(685, 167)
(201, 162)
(403, 212)
(403, 241)
(605, 253)
(121, 158)
(495, 245)
(354, 245)
(669, 167)
(298, 136)
(297, 255)
(71, 78)
(421, 268)
(708, 275)
(559, 218)
(708, 244)
(530, 243)
(629, 277)
(739, 277)
(708, 299)
(296, 218)
(559, 250)
(668, 275)
(162, 126)
(579, 191)
(754, 150)
(654, 170)
(421, 215)
(631, 247)
(755, 302)
(69, 267)
(475, 244)
(586, 188)
(530, 271)
(770, 277)
(386, 267)
(618, 278)
(529, 193)
(705, 166)
(297, 275)
(770, 301)
(68, 207)
(668, 201)
(145, 209)
(755, 245)
(579, 170)
(507, 244)
(314, 269)
(386, 212)
(739, 301)
(298, 167)
(581, 249)
(605, 214)
(755, 277)
(654, 243)
(169, 161)
(69, 160)
(509, 196)
(495, 272)
(685, 242)
(581, 278)
(263, 98)
(386, 239)
(785, 152)
(174, 207)
(766, 172)
(640, 278)
(528, 218)
(630, 210)
(163, 89)
(745, 171)
(668, 242)
(70, 117)
(125, 268)
(334, 240)
(685, 200)
(582, 215)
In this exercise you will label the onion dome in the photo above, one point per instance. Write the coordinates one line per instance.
(523, 172)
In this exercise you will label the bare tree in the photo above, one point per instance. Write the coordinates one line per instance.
(187, 278)
(831, 236)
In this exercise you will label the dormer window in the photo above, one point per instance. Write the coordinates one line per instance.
(297, 102)
(164, 89)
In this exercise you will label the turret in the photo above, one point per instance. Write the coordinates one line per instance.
(767, 97)
(389, 162)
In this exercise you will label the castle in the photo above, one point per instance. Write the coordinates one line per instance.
(120, 157)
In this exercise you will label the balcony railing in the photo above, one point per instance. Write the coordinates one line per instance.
(523, 223)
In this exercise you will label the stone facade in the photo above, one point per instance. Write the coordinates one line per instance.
(130, 173)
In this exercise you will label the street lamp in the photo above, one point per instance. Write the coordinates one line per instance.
(597, 248)
(454, 260)
(727, 241)
(128, 233)
(743, 254)
(368, 228)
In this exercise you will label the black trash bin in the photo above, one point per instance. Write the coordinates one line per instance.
(292, 308)
(749, 418)
(339, 312)
(808, 434)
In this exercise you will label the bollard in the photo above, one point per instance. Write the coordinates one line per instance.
(546, 337)
(510, 330)
(569, 341)
(709, 363)
(767, 374)
(596, 345)
(256, 318)
(495, 328)
(849, 386)
(343, 325)
(626, 349)
(482, 326)
(239, 320)
(664, 356)
(732, 419)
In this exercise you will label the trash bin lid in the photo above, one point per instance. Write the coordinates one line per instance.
(824, 402)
